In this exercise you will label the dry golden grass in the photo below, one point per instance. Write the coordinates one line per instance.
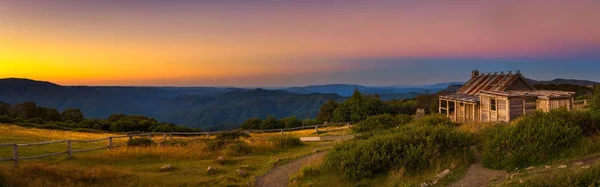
(42, 174)
(17, 134)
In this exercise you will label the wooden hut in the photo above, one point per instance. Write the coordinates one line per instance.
(499, 97)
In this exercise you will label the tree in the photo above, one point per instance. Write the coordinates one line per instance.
(4, 108)
(271, 123)
(251, 124)
(357, 107)
(342, 113)
(26, 110)
(326, 112)
(72, 114)
(291, 122)
(49, 114)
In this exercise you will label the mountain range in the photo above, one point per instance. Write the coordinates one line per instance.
(201, 107)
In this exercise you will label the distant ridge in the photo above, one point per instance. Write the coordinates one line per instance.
(565, 81)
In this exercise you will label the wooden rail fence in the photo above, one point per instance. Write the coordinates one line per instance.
(69, 151)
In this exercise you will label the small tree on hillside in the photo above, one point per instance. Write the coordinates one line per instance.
(326, 112)
(251, 124)
(271, 123)
(72, 114)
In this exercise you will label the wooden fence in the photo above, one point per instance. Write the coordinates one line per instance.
(69, 151)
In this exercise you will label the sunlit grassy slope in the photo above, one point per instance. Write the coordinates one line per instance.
(139, 166)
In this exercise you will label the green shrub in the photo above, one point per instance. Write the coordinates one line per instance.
(584, 178)
(140, 142)
(587, 122)
(434, 120)
(285, 141)
(535, 139)
(380, 122)
(236, 148)
(411, 148)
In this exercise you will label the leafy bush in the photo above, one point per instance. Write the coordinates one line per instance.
(237, 148)
(583, 178)
(285, 141)
(140, 142)
(434, 120)
(410, 147)
(587, 122)
(534, 139)
(380, 122)
(5, 119)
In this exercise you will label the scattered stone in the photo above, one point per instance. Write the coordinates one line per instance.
(547, 167)
(211, 170)
(495, 178)
(221, 160)
(443, 174)
(562, 166)
(278, 159)
(529, 168)
(521, 181)
(317, 151)
(166, 168)
(242, 173)
(586, 167)
(424, 185)
(580, 163)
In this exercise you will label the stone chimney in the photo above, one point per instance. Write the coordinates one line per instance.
(474, 73)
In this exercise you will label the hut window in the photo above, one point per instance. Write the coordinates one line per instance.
(493, 104)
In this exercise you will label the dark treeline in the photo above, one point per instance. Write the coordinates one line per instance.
(581, 92)
(355, 109)
(29, 114)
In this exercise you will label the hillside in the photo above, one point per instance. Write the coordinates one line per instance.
(393, 92)
(565, 81)
(193, 107)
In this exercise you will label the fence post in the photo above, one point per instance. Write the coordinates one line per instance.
(130, 137)
(110, 142)
(281, 132)
(15, 155)
(150, 136)
(69, 149)
(164, 136)
(317, 129)
(170, 136)
(207, 135)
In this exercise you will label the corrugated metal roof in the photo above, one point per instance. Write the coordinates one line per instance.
(490, 82)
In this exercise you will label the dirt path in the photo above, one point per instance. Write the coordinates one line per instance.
(279, 176)
(477, 175)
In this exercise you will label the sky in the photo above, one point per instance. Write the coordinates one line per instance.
(292, 43)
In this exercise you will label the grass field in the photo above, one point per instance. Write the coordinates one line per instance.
(139, 166)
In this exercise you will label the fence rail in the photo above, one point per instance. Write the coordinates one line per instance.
(69, 151)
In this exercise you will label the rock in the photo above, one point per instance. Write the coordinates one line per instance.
(166, 168)
(211, 170)
(580, 163)
(443, 174)
(562, 166)
(221, 160)
(242, 173)
(521, 181)
(586, 167)
(547, 167)
(529, 168)
(424, 185)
